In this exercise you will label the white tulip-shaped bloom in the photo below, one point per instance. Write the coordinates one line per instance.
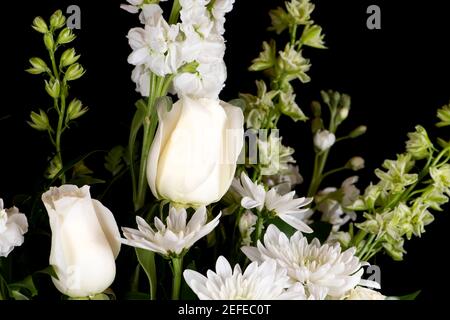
(193, 157)
(13, 225)
(175, 237)
(317, 267)
(85, 241)
(257, 282)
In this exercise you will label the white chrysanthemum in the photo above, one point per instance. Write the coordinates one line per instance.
(289, 209)
(258, 282)
(361, 293)
(13, 225)
(315, 266)
(253, 195)
(177, 236)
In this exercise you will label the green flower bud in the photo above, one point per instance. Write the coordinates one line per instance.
(53, 88)
(54, 168)
(49, 41)
(300, 11)
(316, 125)
(313, 37)
(280, 20)
(38, 66)
(355, 164)
(419, 144)
(266, 59)
(57, 20)
(316, 109)
(292, 65)
(69, 57)
(75, 110)
(65, 36)
(39, 121)
(39, 25)
(444, 115)
(325, 97)
(74, 72)
(289, 107)
(361, 130)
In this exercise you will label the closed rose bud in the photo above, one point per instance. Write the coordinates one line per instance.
(85, 241)
(193, 157)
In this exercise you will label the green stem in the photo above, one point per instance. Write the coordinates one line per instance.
(61, 112)
(177, 268)
(175, 13)
(259, 229)
(293, 34)
(367, 245)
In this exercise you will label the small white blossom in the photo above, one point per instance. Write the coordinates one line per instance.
(361, 293)
(253, 195)
(324, 140)
(247, 226)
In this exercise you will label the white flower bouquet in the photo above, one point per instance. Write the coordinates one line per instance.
(211, 207)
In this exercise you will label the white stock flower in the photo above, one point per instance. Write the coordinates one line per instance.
(219, 10)
(324, 140)
(257, 282)
(175, 237)
(135, 5)
(316, 267)
(332, 203)
(193, 157)
(13, 225)
(289, 209)
(253, 195)
(141, 76)
(361, 293)
(85, 241)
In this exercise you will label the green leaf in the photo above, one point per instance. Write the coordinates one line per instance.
(50, 271)
(27, 284)
(4, 291)
(70, 165)
(114, 160)
(147, 261)
(16, 295)
(411, 296)
(81, 181)
(136, 125)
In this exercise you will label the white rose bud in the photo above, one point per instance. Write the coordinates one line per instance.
(324, 140)
(13, 225)
(247, 226)
(85, 241)
(193, 157)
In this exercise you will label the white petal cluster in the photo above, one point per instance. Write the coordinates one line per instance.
(289, 209)
(258, 282)
(174, 237)
(164, 48)
(324, 270)
(13, 225)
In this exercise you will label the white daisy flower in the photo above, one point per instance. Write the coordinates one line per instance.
(315, 266)
(258, 282)
(253, 194)
(289, 209)
(174, 238)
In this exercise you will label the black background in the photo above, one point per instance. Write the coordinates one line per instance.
(397, 77)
